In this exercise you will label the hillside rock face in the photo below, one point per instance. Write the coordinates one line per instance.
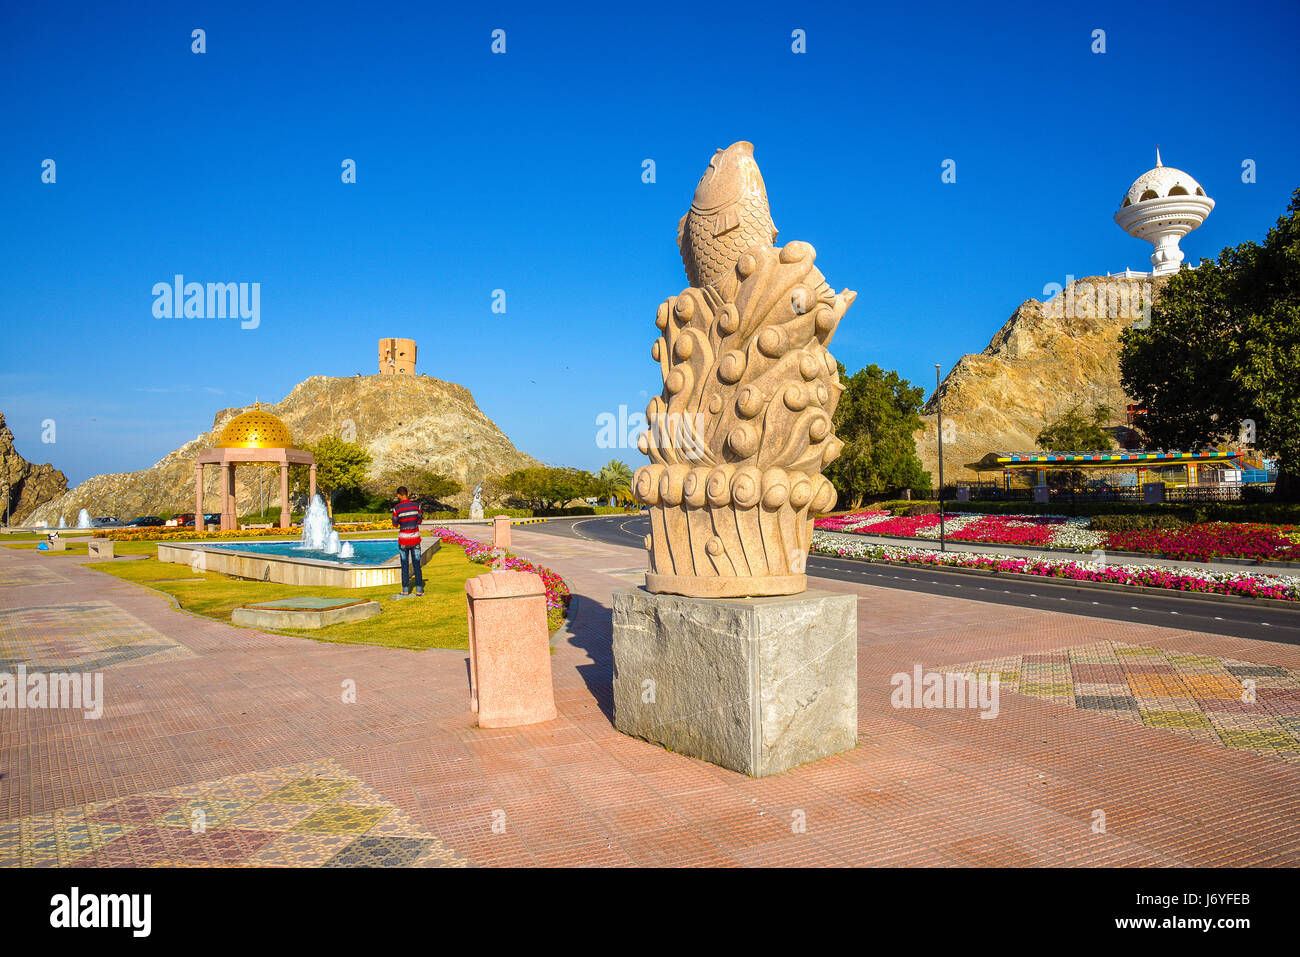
(1047, 358)
(29, 485)
(414, 421)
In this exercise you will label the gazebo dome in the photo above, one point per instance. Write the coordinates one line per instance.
(255, 429)
(1161, 183)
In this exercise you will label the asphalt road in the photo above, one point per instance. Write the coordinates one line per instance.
(1171, 610)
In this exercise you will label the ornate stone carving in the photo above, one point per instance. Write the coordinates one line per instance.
(739, 437)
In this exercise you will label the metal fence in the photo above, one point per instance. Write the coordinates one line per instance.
(1221, 492)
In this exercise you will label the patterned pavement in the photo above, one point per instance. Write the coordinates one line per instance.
(1239, 704)
(313, 815)
(252, 729)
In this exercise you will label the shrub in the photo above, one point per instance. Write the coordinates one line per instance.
(1134, 522)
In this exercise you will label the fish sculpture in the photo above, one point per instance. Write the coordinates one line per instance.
(729, 213)
(742, 430)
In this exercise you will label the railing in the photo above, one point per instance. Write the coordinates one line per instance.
(1221, 492)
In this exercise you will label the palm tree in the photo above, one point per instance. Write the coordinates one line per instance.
(616, 479)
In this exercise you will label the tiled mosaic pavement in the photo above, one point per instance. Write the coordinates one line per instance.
(309, 815)
(18, 575)
(1242, 705)
(80, 636)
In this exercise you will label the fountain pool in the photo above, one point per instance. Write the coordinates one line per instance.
(372, 562)
(317, 558)
(372, 551)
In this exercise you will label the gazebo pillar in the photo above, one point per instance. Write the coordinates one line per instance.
(284, 494)
(228, 520)
(311, 483)
(198, 498)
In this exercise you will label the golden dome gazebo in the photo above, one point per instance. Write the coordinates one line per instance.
(252, 436)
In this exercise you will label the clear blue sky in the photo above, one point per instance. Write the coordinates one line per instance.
(523, 172)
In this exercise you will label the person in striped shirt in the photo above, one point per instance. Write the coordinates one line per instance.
(406, 517)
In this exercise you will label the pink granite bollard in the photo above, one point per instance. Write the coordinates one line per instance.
(509, 650)
(501, 531)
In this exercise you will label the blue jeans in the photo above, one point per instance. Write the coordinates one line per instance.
(411, 557)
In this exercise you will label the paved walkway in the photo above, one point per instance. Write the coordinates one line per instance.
(221, 745)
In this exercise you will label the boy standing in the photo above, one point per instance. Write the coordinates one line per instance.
(406, 516)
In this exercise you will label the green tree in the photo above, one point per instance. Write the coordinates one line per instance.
(615, 478)
(877, 418)
(1075, 432)
(423, 484)
(544, 487)
(340, 467)
(1221, 356)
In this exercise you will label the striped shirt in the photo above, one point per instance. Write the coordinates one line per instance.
(406, 516)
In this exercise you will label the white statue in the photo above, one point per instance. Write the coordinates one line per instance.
(476, 506)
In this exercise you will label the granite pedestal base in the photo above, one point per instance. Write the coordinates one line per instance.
(756, 685)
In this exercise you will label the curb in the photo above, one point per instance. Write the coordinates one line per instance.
(1101, 586)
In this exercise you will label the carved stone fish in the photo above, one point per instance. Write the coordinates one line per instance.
(728, 215)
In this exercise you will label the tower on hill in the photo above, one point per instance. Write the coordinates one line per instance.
(1162, 206)
(397, 357)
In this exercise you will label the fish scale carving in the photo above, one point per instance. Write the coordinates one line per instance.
(743, 428)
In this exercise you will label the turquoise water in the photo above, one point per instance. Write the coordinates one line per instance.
(370, 551)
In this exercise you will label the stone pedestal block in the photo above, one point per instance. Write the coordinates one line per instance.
(501, 531)
(509, 650)
(756, 685)
(100, 548)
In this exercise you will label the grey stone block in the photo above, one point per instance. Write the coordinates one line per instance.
(757, 685)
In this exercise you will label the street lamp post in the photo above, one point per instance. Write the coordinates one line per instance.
(943, 545)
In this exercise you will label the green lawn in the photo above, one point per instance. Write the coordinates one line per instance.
(435, 621)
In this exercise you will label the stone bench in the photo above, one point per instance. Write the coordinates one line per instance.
(100, 548)
(57, 544)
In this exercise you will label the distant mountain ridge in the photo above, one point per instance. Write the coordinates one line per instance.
(403, 421)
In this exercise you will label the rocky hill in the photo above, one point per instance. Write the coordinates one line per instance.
(402, 421)
(29, 485)
(1045, 359)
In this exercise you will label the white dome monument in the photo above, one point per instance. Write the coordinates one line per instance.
(1162, 206)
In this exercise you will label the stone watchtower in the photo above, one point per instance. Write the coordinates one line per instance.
(397, 357)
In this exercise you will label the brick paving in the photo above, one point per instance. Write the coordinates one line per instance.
(254, 730)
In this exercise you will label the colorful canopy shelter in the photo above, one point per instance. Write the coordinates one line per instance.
(252, 436)
(1008, 462)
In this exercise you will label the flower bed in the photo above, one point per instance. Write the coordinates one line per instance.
(483, 553)
(1210, 541)
(849, 522)
(1043, 531)
(163, 533)
(1279, 587)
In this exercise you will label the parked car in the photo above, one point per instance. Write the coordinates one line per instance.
(212, 518)
(184, 520)
(145, 521)
(105, 521)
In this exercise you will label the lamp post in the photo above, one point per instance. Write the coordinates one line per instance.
(938, 401)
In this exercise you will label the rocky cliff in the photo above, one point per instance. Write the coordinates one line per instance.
(28, 485)
(1046, 358)
(414, 421)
